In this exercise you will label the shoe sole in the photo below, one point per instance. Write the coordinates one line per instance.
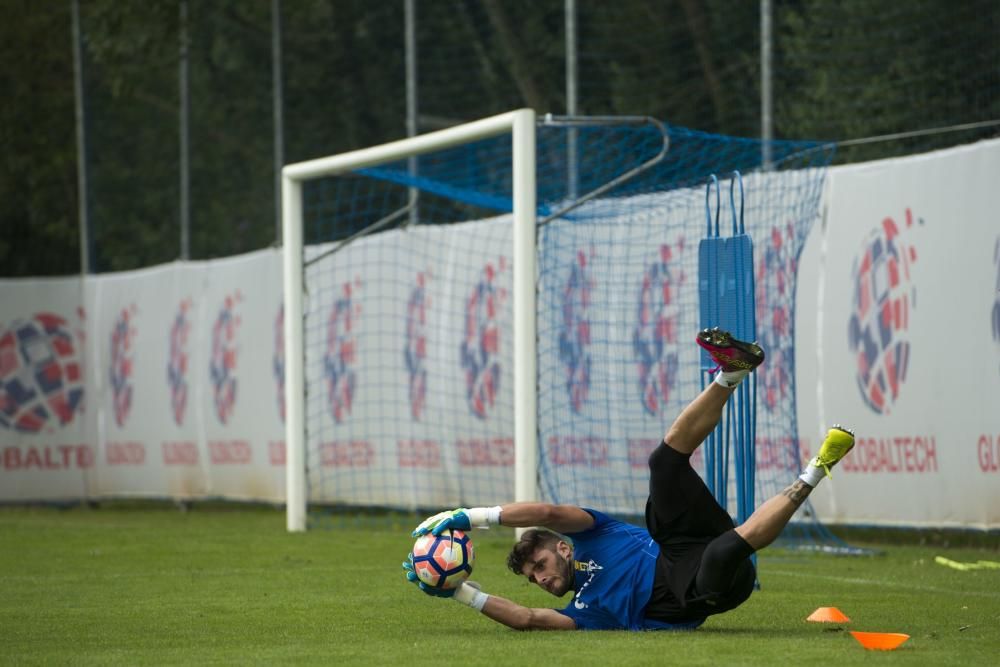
(717, 342)
(842, 429)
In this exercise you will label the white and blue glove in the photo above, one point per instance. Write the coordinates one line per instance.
(412, 577)
(468, 593)
(458, 519)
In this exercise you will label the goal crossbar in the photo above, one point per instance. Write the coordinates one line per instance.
(521, 125)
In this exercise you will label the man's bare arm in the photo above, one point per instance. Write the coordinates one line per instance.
(515, 616)
(560, 518)
(497, 608)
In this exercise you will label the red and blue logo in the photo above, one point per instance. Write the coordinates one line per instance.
(775, 285)
(278, 360)
(480, 349)
(41, 378)
(222, 364)
(122, 355)
(341, 352)
(655, 339)
(177, 361)
(415, 346)
(884, 295)
(574, 336)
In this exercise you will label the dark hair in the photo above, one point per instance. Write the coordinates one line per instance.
(531, 541)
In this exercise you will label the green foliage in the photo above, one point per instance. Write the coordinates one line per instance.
(842, 70)
(885, 68)
(228, 585)
(38, 232)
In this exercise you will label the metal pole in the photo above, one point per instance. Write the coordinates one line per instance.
(571, 110)
(277, 95)
(185, 175)
(410, 11)
(82, 200)
(766, 119)
(525, 302)
(295, 383)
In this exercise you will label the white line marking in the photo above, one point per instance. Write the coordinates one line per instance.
(881, 582)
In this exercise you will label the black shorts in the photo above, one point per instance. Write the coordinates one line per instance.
(685, 519)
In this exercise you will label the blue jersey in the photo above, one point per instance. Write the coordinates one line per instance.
(614, 565)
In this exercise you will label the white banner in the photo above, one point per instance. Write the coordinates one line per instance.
(167, 382)
(899, 315)
(410, 350)
(47, 453)
(162, 385)
(241, 400)
(616, 323)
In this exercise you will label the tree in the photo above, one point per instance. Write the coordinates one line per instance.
(38, 231)
(842, 70)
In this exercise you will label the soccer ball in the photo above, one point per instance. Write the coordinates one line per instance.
(443, 561)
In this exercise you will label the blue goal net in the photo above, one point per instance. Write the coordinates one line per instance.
(408, 347)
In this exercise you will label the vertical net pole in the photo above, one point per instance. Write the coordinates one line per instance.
(525, 369)
(295, 390)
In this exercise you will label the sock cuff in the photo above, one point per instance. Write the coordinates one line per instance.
(470, 595)
(730, 379)
(484, 516)
(812, 475)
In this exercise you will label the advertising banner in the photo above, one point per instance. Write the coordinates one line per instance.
(155, 383)
(900, 313)
(414, 366)
(46, 452)
(169, 382)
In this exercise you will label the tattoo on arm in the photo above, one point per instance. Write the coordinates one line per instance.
(797, 492)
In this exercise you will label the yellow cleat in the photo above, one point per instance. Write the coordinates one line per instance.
(838, 442)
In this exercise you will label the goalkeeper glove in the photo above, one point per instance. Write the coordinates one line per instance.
(460, 519)
(467, 593)
(412, 577)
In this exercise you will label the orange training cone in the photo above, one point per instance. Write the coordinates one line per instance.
(828, 615)
(880, 641)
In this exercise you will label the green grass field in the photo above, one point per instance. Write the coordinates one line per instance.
(228, 585)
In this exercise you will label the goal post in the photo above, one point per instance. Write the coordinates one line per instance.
(464, 326)
(521, 126)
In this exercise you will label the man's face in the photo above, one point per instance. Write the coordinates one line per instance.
(551, 569)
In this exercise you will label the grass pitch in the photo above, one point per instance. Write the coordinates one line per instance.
(152, 585)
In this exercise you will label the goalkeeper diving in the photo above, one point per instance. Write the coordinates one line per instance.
(690, 562)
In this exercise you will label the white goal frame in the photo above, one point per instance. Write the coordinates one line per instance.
(521, 125)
